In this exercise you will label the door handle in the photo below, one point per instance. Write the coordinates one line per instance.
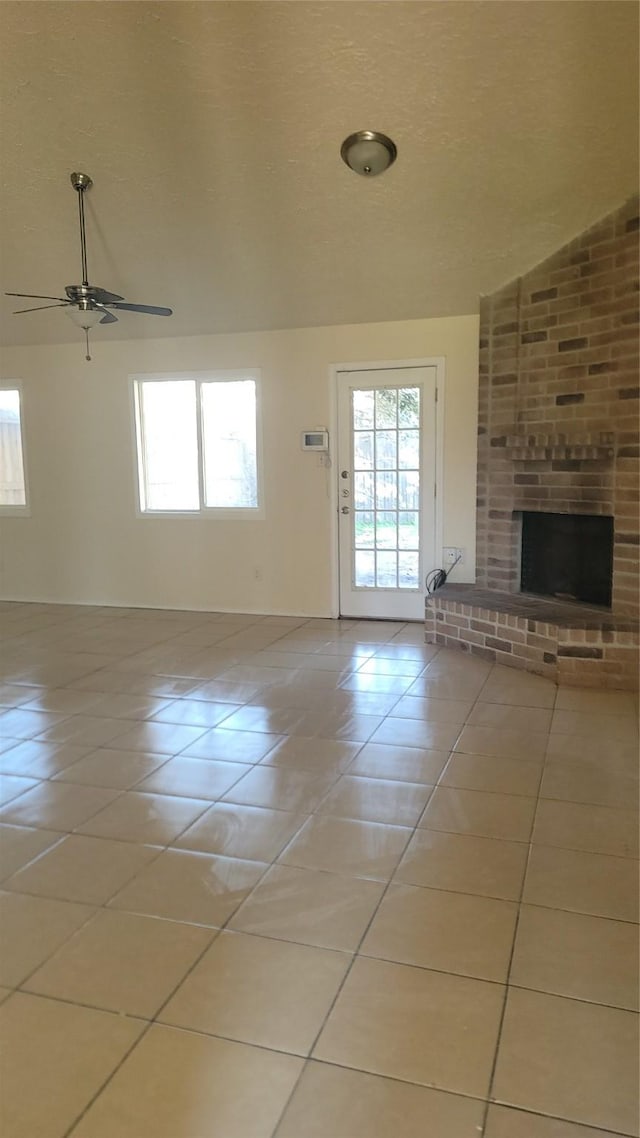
(344, 510)
(344, 473)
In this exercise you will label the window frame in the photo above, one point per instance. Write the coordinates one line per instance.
(200, 378)
(22, 511)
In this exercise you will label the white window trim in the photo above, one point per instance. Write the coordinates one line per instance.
(228, 513)
(18, 511)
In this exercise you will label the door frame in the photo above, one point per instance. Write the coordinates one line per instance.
(335, 371)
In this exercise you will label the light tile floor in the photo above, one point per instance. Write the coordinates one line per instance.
(267, 877)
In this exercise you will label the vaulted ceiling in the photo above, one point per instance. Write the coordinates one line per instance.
(212, 133)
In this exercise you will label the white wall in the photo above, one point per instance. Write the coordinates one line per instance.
(85, 543)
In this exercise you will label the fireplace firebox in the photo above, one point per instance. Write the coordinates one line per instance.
(568, 557)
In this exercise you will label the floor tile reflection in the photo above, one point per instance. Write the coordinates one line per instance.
(281, 877)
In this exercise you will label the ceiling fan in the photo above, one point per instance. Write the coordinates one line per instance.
(88, 304)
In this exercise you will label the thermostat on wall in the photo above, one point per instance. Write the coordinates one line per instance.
(315, 440)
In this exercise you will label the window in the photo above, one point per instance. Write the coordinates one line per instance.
(197, 439)
(13, 489)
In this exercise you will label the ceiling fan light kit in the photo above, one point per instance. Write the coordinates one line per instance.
(87, 304)
(84, 316)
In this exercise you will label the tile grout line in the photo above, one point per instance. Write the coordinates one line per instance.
(507, 987)
(515, 929)
(355, 955)
(357, 951)
(100, 1090)
(105, 905)
(216, 932)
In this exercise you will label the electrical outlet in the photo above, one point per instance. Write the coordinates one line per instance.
(452, 554)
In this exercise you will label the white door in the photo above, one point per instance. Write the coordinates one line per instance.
(386, 490)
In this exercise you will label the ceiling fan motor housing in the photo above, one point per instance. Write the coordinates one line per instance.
(80, 294)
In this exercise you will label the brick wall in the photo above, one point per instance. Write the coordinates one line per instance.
(558, 404)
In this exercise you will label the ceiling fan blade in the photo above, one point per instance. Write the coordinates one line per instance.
(101, 296)
(38, 309)
(151, 309)
(36, 296)
(108, 317)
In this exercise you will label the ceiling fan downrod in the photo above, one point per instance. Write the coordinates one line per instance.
(82, 183)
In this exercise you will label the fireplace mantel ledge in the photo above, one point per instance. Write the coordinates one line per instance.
(583, 446)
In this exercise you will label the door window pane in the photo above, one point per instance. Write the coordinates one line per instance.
(229, 436)
(409, 450)
(409, 490)
(386, 407)
(386, 530)
(408, 570)
(386, 496)
(363, 450)
(365, 569)
(386, 450)
(364, 530)
(408, 530)
(170, 445)
(409, 407)
(362, 409)
(387, 570)
(363, 491)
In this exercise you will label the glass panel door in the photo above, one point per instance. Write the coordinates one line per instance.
(387, 471)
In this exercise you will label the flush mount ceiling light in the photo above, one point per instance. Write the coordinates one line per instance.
(368, 152)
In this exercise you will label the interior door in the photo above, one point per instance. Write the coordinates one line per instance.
(386, 490)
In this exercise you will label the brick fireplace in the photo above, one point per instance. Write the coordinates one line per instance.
(557, 435)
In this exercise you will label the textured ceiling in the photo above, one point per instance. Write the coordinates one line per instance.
(212, 132)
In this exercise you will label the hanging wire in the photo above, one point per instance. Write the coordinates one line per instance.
(438, 577)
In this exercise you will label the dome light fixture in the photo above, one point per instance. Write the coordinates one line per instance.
(84, 315)
(368, 152)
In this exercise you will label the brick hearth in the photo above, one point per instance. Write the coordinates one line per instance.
(557, 432)
(569, 643)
